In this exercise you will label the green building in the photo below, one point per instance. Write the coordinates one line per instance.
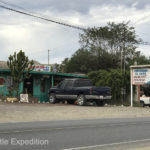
(37, 85)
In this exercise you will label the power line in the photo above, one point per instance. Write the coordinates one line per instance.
(43, 18)
(46, 19)
(12, 5)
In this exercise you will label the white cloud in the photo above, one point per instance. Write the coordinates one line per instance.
(109, 13)
(35, 37)
(135, 4)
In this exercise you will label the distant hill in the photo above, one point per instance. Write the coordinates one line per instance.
(3, 64)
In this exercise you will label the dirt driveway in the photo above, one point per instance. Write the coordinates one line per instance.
(40, 112)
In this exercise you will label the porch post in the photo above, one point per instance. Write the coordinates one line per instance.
(52, 81)
(139, 89)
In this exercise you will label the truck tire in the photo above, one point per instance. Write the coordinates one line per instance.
(81, 100)
(100, 103)
(52, 98)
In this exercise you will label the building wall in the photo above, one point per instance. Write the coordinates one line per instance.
(3, 86)
(6, 83)
(41, 83)
(40, 88)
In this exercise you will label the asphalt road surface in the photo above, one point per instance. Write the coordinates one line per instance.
(94, 134)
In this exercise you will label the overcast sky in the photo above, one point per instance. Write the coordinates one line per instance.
(35, 37)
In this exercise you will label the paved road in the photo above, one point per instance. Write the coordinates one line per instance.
(78, 134)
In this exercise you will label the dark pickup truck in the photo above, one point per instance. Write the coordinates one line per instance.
(79, 90)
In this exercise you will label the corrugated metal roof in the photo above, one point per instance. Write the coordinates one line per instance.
(51, 73)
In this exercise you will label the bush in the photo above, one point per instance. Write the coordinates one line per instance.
(114, 79)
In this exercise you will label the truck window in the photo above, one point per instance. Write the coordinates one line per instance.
(69, 84)
(61, 84)
(82, 83)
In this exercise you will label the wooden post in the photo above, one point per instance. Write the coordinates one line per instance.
(52, 81)
(138, 93)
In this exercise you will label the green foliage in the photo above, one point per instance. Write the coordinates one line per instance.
(55, 68)
(139, 60)
(79, 62)
(63, 65)
(101, 48)
(20, 66)
(112, 78)
(100, 55)
(112, 37)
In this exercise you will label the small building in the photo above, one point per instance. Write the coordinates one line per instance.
(37, 85)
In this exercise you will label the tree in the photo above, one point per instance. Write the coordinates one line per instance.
(63, 65)
(101, 48)
(19, 66)
(113, 39)
(81, 61)
(55, 67)
(139, 60)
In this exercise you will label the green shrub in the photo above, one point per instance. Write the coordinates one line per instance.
(114, 79)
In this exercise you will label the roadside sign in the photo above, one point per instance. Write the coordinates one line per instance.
(24, 98)
(45, 68)
(141, 76)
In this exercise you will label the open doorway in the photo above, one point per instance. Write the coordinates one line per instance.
(28, 86)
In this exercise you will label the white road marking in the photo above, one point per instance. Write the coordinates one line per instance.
(104, 145)
(48, 129)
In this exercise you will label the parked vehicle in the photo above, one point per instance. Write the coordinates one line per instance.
(79, 90)
(145, 101)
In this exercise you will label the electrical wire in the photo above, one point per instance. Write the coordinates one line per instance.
(46, 19)
(12, 5)
(42, 18)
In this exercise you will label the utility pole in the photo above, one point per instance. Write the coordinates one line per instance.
(48, 56)
(121, 61)
(124, 65)
(124, 49)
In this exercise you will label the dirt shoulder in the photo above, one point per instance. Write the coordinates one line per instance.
(41, 112)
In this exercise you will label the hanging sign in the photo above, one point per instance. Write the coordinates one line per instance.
(45, 68)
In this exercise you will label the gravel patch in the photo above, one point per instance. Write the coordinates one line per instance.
(42, 112)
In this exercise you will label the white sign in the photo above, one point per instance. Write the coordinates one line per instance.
(141, 76)
(24, 98)
(45, 68)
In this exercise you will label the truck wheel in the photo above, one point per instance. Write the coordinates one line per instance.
(100, 103)
(81, 101)
(52, 98)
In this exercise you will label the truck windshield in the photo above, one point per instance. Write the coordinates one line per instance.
(61, 84)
